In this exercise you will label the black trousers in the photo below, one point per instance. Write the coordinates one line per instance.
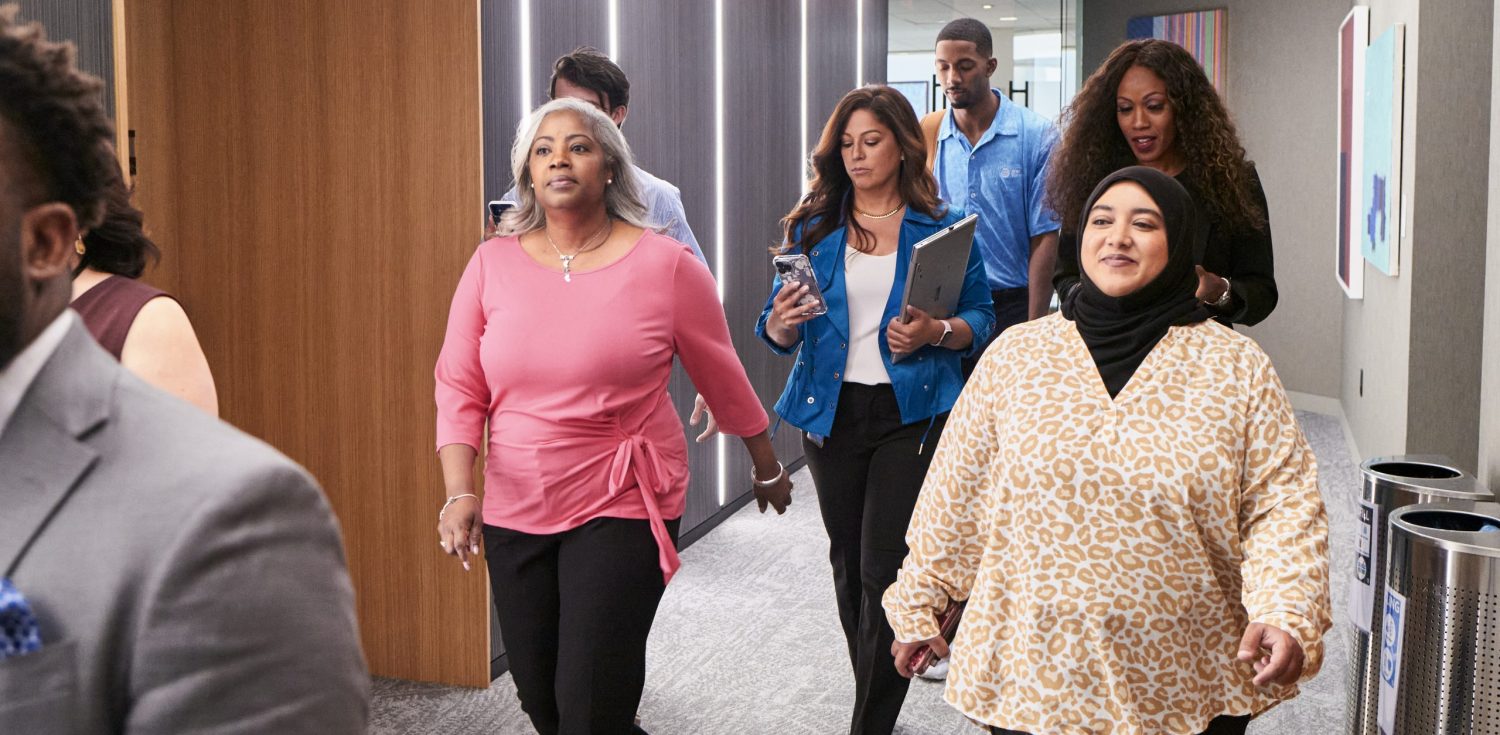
(1221, 725)
(1012, 306)
(868, 474)
(575, 609)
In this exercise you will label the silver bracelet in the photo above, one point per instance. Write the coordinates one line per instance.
(454, 499)
(780, 473)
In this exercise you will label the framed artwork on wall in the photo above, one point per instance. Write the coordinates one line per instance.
(1204, 34)
(1380, 177)
(1354, 36)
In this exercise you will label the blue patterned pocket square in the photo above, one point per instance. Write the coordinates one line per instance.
(19, 633)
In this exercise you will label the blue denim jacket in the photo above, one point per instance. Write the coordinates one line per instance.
(926, 384)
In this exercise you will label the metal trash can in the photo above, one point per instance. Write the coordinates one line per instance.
(1389, 483)
(1440, 641)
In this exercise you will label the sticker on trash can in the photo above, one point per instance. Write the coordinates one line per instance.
(1362, 597)
(1391, 635)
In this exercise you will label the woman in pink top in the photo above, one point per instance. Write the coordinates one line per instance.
(560, 340)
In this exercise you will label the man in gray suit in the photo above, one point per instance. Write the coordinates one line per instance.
(183, 577)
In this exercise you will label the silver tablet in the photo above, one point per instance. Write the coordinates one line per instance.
(935, 278)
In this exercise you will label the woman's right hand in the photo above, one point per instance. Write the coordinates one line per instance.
(778, 496)
(905, 652)
(786, 315)
(460, 530)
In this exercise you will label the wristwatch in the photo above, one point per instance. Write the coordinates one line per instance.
(947, 330)
(1226, 298)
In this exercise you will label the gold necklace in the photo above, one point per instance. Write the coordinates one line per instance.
(898, 208)
(567, 260)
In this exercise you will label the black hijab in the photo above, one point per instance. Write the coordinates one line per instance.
(1121, 331)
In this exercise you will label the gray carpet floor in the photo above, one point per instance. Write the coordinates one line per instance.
(747, 640)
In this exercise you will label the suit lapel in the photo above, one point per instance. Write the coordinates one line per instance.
(42, 451)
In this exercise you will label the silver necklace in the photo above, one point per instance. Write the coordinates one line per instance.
(567, 260)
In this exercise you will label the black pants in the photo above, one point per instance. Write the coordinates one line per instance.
(575, 609)
(1221, 725)
(868, 474)
(1012, 306)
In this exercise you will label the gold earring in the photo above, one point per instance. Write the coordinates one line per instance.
(78, 245)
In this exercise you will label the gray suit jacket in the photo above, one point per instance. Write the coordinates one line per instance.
(187, 577)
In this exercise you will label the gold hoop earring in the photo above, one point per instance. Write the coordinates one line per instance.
(78, 246)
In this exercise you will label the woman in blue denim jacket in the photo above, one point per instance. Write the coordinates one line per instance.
(869, 423)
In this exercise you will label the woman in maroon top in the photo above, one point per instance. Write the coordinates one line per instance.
(143, 327)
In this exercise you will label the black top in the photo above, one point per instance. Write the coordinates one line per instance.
(1242, 255)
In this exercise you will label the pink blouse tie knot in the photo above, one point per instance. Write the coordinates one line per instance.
(636, 455)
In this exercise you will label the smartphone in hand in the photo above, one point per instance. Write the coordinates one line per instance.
(947, 626)
(797, 270)
(498, 208)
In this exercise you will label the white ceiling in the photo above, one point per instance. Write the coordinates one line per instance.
(914, 24)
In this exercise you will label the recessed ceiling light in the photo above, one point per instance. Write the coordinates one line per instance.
(988, 7)
(1009, 19)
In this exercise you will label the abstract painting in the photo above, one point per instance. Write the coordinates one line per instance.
(1354, 35)
(1203, 34)
(1380, 200)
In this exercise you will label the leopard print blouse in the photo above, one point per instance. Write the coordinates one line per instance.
(1114, 551)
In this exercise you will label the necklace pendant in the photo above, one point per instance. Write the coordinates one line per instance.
(567, 264)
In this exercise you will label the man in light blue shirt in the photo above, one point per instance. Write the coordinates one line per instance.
(991, 160)
(587, 74)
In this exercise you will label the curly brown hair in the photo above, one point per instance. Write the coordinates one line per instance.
(828, 205)
(1093, 146)
(53, 117)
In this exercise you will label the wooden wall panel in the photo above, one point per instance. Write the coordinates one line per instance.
(327, 189)
(151, 78)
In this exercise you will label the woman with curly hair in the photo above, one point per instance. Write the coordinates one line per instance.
(1150, 104)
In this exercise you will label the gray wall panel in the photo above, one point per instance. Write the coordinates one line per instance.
(830, 62)
(1448, 256)
(876, 34)
(1489, 413)
(762, 179)
(499, 59)
(559, 26)
(667, 51)
(89, 25)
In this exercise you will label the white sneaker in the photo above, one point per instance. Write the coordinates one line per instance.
(937, 671)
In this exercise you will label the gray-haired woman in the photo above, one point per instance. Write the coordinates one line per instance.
(560, 340)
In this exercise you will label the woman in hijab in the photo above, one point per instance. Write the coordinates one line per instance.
(1126, 502)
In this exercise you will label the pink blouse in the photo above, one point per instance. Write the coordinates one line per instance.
(572, 378)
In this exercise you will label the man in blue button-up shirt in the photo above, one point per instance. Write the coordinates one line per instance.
(992, 160)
